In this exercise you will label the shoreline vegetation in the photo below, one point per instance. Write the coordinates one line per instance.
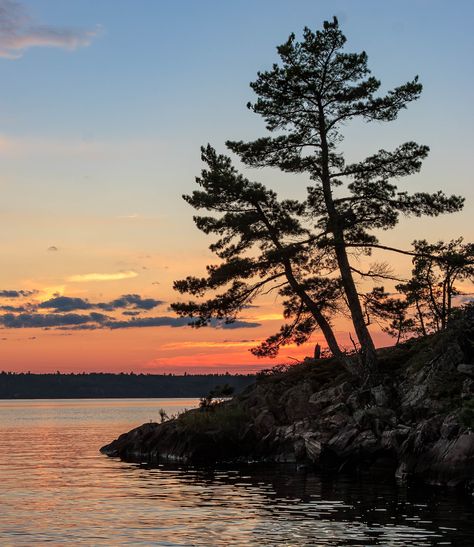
(417, 424)
(102, 385)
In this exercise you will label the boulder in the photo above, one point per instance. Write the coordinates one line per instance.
(466, 369)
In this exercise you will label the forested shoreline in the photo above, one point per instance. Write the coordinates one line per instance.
(98, 385)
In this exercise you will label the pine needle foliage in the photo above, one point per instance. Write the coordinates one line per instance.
(306, 100)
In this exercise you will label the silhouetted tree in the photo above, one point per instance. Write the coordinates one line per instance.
(437, 267)
(305, 101)
(392, 313)
(263, 247)
(424, 303)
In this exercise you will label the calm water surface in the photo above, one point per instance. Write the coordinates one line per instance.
(56, 489)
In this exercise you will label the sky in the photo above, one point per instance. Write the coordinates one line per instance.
(103, 109)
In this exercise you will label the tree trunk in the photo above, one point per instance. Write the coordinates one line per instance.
(369, 355)
(420, 317)
(322, 322)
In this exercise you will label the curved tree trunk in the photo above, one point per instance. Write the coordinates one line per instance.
(369, 354)
(322, 322)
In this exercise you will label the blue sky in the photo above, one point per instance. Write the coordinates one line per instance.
(177, 72)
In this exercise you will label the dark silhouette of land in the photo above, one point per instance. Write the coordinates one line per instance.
(98, 385)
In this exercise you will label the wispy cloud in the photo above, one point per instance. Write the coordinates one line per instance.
(209, 344)
(270, 317)
(80, 278)
(129, 217)
(19, 32)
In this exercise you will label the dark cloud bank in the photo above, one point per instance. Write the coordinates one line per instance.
(60, 312)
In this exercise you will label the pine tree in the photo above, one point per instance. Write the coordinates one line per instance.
(305, 101)
(263, 245)
(437, 268)
(424, 303)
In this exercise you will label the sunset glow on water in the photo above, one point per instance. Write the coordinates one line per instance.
(57, 489)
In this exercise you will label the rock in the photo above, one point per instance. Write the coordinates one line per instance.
(334, 409)
(264, 422)
(467, 389)
(341, 443)
(380, 395)
(313, 447)
(334, 422)
(450, 427)
(359, 399)
(295, 401)
(425, 434)
(413, 425)
(414, 394)
(366, 443)
(345, 389)
(299, 449)
(368, 418)
(466, 369)
(392, 439)
(322, 399)
(447, 462)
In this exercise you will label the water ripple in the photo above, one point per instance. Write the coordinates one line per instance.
(56, 489)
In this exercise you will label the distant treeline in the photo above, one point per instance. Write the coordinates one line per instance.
(97, 385)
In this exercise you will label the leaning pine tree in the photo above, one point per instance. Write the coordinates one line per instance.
(264, 246)
(305, 101)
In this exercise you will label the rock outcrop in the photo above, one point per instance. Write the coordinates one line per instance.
(416, 423)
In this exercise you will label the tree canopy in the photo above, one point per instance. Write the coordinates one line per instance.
(425, 302)
(303, 248)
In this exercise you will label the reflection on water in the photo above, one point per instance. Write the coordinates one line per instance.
(56, 489)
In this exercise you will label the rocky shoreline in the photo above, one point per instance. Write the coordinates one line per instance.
(416, 424)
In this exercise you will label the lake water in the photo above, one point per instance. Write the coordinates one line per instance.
(57, 489)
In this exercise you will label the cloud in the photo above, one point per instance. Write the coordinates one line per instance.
(94, 320)
(129, 217)
(166, 321)
(16, 294)
(270, 317)
(132, 301)
(81, 278)
(13, 308)
(219, 324)
(209, 344)
(66, 304)
(19, 32)
(60, 312)
(38, 320)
